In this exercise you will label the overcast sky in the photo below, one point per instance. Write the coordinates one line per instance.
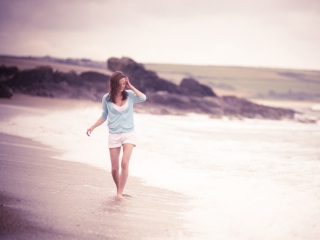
(269, 33)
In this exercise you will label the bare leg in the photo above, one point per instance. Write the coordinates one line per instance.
(114, 156)
(127, 150)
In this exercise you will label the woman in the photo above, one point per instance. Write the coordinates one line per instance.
(117, 106)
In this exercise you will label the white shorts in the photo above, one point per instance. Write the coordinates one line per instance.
(118, 139)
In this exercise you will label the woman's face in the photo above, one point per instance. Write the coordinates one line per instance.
(122, 84)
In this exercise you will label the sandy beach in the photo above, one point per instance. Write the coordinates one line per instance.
(191, 177)
(42, 197)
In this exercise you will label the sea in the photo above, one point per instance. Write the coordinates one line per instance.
(245, 178)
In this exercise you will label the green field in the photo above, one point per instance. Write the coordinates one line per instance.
(246, 81)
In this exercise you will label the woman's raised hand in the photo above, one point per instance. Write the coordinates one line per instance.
(128, 84)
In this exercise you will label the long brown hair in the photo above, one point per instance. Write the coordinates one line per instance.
(114, 86)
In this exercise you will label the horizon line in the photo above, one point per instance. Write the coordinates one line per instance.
(161, 63)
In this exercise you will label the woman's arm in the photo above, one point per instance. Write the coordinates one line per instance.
(136, 91)
(103, 117)
(98, 123)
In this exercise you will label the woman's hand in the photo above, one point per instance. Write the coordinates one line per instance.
(89, 130)
(98, 123)
(128, 84)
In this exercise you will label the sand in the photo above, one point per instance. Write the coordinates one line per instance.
(42, 197)
(34, 102)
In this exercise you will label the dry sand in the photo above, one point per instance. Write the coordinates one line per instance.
(45, 198)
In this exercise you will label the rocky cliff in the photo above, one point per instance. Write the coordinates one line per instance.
(164, 97)
(43, 81)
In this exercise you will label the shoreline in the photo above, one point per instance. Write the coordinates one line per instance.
(252, 167)
(19, 99)
(45, 197)
(286, 103)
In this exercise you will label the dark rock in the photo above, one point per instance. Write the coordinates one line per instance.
(148, 81)
(32, 78)
(7, 72)
(191, 96)
(185, 104)
(95, 77)
(97, 82)
(5, 92)
(163, 97)
(144, 80)
(124, 64)
(234, 106)
(192, 87)
(43, 81)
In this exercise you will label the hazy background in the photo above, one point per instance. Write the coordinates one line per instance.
(245, 178)
(266, 33)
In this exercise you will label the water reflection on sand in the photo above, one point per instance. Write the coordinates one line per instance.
(247, 179)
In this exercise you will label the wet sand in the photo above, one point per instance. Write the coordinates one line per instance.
(45, 198)
(34, 102)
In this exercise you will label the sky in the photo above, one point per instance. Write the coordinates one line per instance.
(264, 33)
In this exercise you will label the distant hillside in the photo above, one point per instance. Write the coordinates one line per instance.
(64, 65)
(164, 97)
(249, 82)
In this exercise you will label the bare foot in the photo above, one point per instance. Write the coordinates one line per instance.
(119, 195)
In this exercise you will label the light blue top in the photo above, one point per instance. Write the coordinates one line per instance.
(119, 122)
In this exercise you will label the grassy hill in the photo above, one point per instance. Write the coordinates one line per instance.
(63, 65)
(249, 82)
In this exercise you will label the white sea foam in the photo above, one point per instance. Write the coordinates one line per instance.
(250, 179)
(316, 107)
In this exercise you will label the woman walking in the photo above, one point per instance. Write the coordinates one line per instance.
(117, 106)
